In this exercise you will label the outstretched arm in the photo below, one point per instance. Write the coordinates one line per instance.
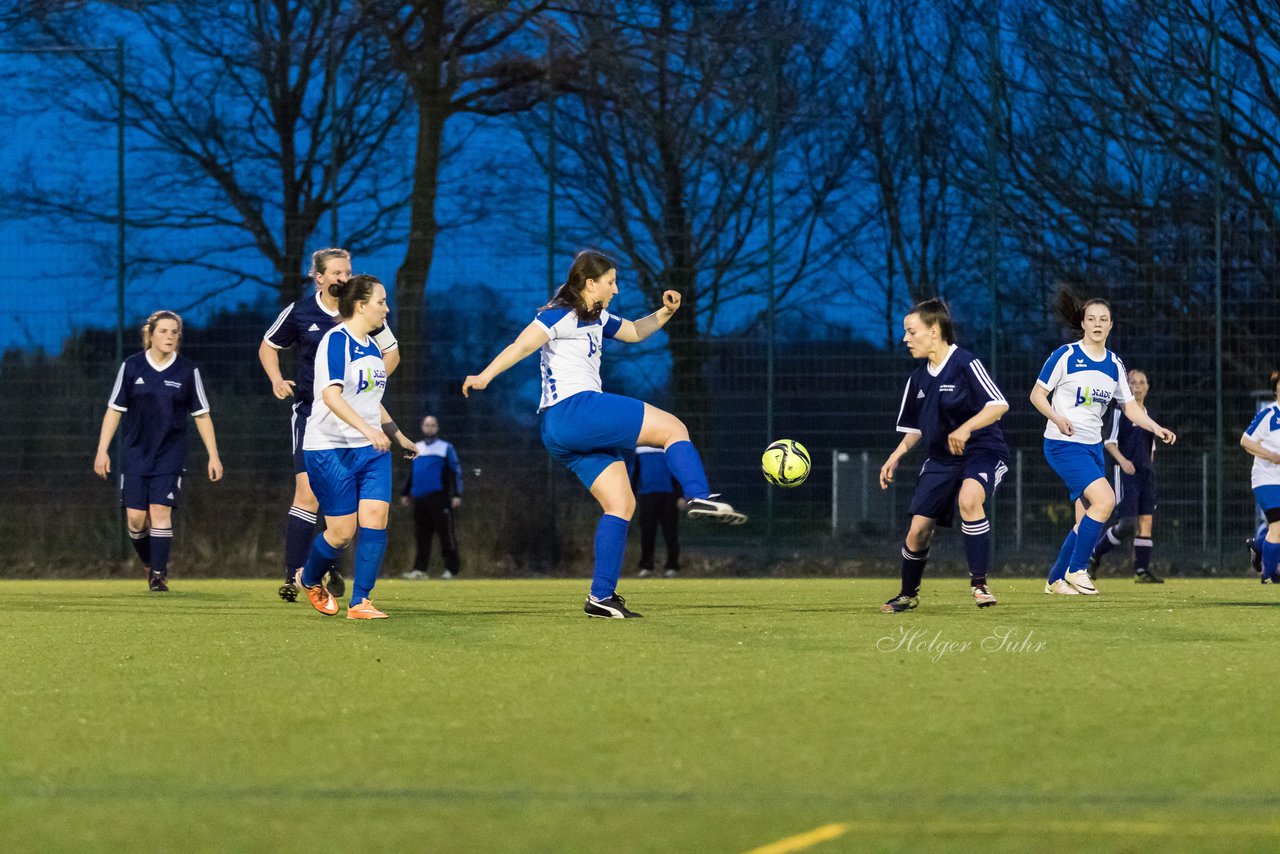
(533, 337)
(1134, 411)
(633, 331)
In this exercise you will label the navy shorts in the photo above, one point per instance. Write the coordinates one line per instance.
(1077, 464)
(138, 492)
(298, 423)
(939, 484)
(590, 430)
(1135, 493)
(342, 477)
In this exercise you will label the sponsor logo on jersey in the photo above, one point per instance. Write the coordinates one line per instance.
(172, 384)
(1088, 396)
(369, 378)
(947, 387)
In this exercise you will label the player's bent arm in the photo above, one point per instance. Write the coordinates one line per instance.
(204, 426)
(529, 340)
(985, 417)
(1135, 413)
(391, 358)
(102, 460)
(632, 332)
(332, 396)
(394, 433)
(909, 441)
(270, 358)
(1113, 448)
(1040, 400)
(1254, 447)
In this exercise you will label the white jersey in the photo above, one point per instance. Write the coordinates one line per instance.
(344, 359)
(1081, 389)
(1265, 430)
(571, 358)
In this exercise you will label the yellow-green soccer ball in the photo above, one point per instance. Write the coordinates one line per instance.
(786, 463)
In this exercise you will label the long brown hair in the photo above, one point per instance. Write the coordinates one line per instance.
(1070, 308)
(587, 264)
(149, 326)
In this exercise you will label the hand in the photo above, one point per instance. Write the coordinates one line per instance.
(1126, 466)
(1064, 425)
(381, 443)
(404, 501)
(456, 502)
(956, 441)
(671, 301)
(1167, 436)
(215, 469)
(1271, 458)
(478, 383)
(409, 448)
(102, 465)
(886, 472)
(282, 389)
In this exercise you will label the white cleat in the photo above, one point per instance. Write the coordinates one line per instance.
(1060, 587)
(713, 511)
(1081, 582)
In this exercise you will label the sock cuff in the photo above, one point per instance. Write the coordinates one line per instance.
(1140, 542)
(304, 515)
(322, 548)
(161, 532)
(910, 555)
(608, 520)
(373, 535)
(139, 535)
(976, 527)
(1112, 538)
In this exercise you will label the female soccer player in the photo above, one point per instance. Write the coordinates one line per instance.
(1262, 439)
(951, 404)
(348, 436)
(154, 391)
(303, 324)
(1083, 378)
(1133, 450)
(588, 430)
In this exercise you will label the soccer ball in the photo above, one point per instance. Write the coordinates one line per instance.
(785, 463)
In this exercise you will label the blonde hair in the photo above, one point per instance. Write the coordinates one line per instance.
(321, 257)
(149, 326)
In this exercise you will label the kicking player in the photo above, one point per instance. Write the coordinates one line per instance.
(951, 405)
(348, 437)
(1073, 390)
(1262, 439)
(303, 324)
(154, 391)
(588, 430)
(1133, 448)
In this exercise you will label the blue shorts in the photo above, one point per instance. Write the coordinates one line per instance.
(1077, 464)
(298, 423)
(138, 492)
(940, 481)
(1135, 493)
(1268, 498)
(590, 430)
(342, 477)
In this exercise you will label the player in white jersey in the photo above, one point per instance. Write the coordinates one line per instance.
(348, 436)
(588, 430)
(1262, 439)
(1073, 391)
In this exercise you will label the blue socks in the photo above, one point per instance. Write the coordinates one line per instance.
(686, 465)
(161, 543)
(1270, 559)
(1087, 533)
(323, 557)
(977, 549)
(299, 530)
(370, 550)
(1059, 569)
(611, 543)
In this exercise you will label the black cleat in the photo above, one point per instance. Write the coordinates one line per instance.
(334, 583)
(900, 603)
(1255, 555)
(613, 608)
(1148, 577)
(156, 582)
(1092, 568)
(713, 511)
(288, 591)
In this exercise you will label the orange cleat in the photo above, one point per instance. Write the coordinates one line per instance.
(321, 599)
(365, 611)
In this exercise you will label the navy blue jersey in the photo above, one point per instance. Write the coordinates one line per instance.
(156, 399)
(650, 473)
(933, 406)
(1137, 444)
(303, 324)
(435, 469)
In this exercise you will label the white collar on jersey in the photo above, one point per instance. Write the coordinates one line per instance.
(933, 372)
(160, 366)
(320, 303)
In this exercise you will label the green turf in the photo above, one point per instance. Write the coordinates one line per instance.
(493, 716)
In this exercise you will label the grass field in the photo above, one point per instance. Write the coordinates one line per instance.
(494, 716)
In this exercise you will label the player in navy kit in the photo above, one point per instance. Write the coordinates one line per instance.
(951, 405)
(588, 430)
(153, 393)
(302, 325)
(1133, 449)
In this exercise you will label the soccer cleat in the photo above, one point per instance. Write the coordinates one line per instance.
(156, 582)
(644, 573)
(899, 603)
(713, 511)
(288, 591)
(612, 608)
(320, 598)
(982, 597)
(672, 573)
(1061, 588)
(364, 611)
(1147, 577)
(336, 585)
(1092, 568)
(446, 575)
(1255, 555)
(414, 575)
(1080, 581)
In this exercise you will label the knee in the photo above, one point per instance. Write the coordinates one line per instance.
(136, 520)
(971, 504)
(306, 502)
(340, 536)
(919, 537)
(679, 432)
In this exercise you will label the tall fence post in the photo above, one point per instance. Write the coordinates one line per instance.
(1017, 501)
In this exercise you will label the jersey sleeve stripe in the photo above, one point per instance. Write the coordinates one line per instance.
(1114, 439)
(988, 384)
(200, 395)
(115, 392)
(275, 327)
(902, 408)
